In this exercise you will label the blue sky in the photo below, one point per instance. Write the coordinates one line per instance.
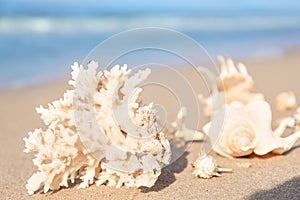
(80, 7)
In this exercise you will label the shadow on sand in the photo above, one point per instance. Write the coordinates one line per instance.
(287, 190)
(167, 177)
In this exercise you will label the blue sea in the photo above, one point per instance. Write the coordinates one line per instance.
(36, 47)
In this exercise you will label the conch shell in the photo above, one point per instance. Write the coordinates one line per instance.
(130, 152)
(247, 129)
(206, 167)
(235, 82)
(286, 101)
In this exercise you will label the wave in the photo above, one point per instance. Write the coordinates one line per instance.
(109, 24)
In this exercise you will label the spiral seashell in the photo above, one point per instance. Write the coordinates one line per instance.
(206, 167)
(247, 129)
(240, 140)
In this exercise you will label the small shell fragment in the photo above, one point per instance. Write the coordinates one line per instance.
(245, 165)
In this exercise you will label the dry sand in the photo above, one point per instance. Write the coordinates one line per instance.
(268, 177)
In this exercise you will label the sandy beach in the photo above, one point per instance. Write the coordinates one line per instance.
(268, 177)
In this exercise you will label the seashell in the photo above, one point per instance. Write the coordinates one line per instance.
(294, 122)
(285, 101)
(247, 129)
(206, 167)
(235, 82)
(178, 129)
(131, 151)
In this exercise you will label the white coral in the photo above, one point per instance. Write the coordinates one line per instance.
(98, 132)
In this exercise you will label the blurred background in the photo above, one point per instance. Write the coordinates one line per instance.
(39, 40)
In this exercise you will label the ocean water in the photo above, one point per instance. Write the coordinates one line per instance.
(37, 48)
